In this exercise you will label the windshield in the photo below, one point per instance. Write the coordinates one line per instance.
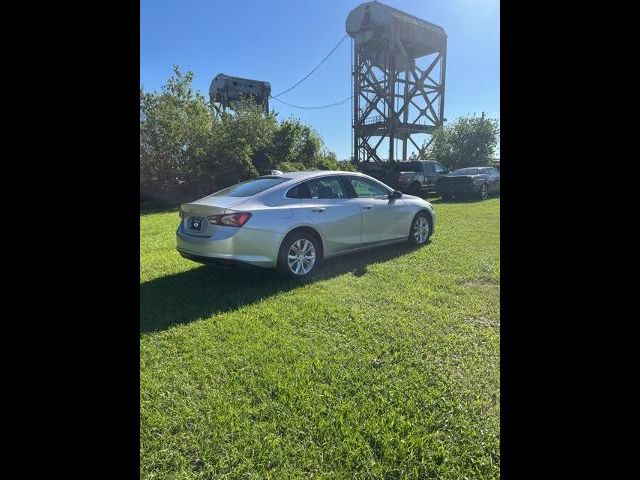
(408, 167)
(250, 188)
(466, 171)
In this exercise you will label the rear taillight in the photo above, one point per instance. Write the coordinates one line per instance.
(237, 219)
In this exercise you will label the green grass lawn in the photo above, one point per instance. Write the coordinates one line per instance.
(384, 365)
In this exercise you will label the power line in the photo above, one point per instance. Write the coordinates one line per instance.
(312, 71)
(314, 107)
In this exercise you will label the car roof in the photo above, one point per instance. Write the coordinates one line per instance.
(301, 175)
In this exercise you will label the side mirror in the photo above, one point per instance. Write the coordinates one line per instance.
(395, 194)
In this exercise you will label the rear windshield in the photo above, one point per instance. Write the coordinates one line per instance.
(466, 171)
(408, 167)
(250, 188)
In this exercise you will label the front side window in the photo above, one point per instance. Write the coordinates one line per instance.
(368, 189)
(439, 168)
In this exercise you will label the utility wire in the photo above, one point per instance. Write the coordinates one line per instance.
(314, 107)
(312, 71)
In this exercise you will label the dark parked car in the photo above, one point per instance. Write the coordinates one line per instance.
(473, 181)
(415, 177)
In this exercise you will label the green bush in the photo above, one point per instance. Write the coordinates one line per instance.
(468, 142)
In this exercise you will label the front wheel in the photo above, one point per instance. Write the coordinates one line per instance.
(420, 230)
(483, 193)
(299, 254)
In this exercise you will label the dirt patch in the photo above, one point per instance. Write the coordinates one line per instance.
(484, 321)
(480, 282)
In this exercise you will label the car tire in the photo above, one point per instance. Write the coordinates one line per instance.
(420, 229)
(483, 192)
(296, 244)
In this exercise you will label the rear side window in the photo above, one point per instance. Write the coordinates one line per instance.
(321, 188)
(430, 168)
(250, 188)
(329, 187)
(299, 191)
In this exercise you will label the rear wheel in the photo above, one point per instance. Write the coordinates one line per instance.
(300, 254)
(420, 229)
(483, 193)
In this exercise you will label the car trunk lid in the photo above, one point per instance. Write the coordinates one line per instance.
(194, 214)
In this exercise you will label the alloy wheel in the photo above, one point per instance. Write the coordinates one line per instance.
(301, 257)
(421, 230)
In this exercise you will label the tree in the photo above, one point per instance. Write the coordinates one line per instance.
(298, 147)
(175, 127)
(469, 141)
(240, 143)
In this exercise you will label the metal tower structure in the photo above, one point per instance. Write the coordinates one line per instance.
(225, 90)
(394, 99)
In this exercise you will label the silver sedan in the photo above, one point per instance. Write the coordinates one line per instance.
(294, 220)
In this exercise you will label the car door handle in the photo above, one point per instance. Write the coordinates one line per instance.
(318, 209)
(367, 207)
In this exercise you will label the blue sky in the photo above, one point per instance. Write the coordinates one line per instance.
(280, 41)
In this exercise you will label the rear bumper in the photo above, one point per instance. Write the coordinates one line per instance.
(216, 262)
(229, 246)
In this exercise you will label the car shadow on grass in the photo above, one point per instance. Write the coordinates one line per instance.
(463, 199)
(468, 199)
(205, 291)
(435, 199)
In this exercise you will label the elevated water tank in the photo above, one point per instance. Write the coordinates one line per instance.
(373, 24)
(225, 90)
